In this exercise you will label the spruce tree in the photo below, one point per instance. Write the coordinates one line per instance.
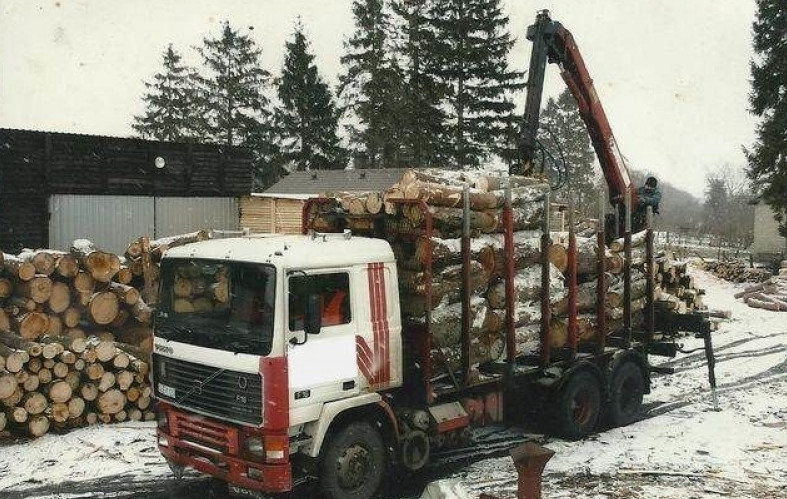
(565, 136)
(423, 120)
(233, 101)
(307, 118)
(768, 156)
(473, 47)
(170, 100)
(371, 86)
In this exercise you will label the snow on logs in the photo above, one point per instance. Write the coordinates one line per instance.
(402, 221)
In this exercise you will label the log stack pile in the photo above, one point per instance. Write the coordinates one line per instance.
(76, 294)
(769, 295)
(75, 334)
(401, 220)
(736, 271)
(63, 382)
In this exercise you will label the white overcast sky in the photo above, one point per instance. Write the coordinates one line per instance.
(673, 75)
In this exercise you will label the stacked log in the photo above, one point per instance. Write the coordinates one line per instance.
(72, 294)
(769, 295)
(60, 382)
(735, 271)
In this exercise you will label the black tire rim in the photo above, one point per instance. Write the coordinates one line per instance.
(353, 467)
(581, 408)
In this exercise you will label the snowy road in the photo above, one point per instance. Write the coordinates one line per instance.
(680, 450)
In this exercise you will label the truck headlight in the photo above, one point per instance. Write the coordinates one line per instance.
(254, 446)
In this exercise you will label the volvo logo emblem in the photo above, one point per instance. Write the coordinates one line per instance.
(198, 387)
(243, 382)
(164, 349)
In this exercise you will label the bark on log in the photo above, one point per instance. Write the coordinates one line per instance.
(128, 294)
(43, 261)
(101, 265)
(22, 270)
(436, 194)
(527, 287)
(637, 240)
(160, 246)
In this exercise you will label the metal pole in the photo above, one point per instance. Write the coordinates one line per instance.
(601, 288)
(627, 331)
(546, 310)
(572, 280)
(508, 218)
(649, 268)
(466, 285)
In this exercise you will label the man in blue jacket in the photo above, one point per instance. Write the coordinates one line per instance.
(647, 195)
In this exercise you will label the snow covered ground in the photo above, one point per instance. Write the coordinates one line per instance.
(682, 449)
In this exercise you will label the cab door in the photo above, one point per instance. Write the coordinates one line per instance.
(321, 367)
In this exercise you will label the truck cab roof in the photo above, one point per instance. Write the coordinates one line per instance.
(291, 251)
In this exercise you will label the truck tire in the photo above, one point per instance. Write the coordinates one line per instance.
(626, 391)
(353, 464)
(578, 406)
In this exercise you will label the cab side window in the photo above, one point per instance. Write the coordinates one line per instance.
(334, 292)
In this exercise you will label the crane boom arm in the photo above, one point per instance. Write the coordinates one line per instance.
(554, 43)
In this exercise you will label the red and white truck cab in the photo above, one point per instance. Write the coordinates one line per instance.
(248, 374)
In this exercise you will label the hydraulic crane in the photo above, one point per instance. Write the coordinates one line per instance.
(553, 43)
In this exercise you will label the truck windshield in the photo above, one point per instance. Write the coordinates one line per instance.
(217, 304)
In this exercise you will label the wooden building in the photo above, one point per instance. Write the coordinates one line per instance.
(55, 187)
(279, 209)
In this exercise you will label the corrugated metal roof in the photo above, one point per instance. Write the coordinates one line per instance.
(320, 181)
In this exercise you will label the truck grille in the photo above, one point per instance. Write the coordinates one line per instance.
(232, 395)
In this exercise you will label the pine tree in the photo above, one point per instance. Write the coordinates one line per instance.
(474, 45)
(564, 134)
(307, 118)
(169, 103)
(233, 101)
(423, 94)
(370, 88)
(768, 156)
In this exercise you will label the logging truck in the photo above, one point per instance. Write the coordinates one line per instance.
(284, 358)
(375, 341)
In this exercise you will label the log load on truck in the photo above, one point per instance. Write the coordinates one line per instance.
(375, 341)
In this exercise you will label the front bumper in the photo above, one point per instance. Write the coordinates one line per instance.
(214, 448)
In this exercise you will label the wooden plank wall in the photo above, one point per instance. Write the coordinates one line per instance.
(271, 215)
(34, 165)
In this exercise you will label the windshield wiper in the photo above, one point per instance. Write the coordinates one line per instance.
(199, 384)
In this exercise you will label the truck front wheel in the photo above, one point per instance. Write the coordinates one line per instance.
(578, 406)
(353, 464)
(626, 391)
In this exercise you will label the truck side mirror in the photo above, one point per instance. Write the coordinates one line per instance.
(313, 319)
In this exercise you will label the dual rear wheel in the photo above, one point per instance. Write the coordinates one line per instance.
(579, 404)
